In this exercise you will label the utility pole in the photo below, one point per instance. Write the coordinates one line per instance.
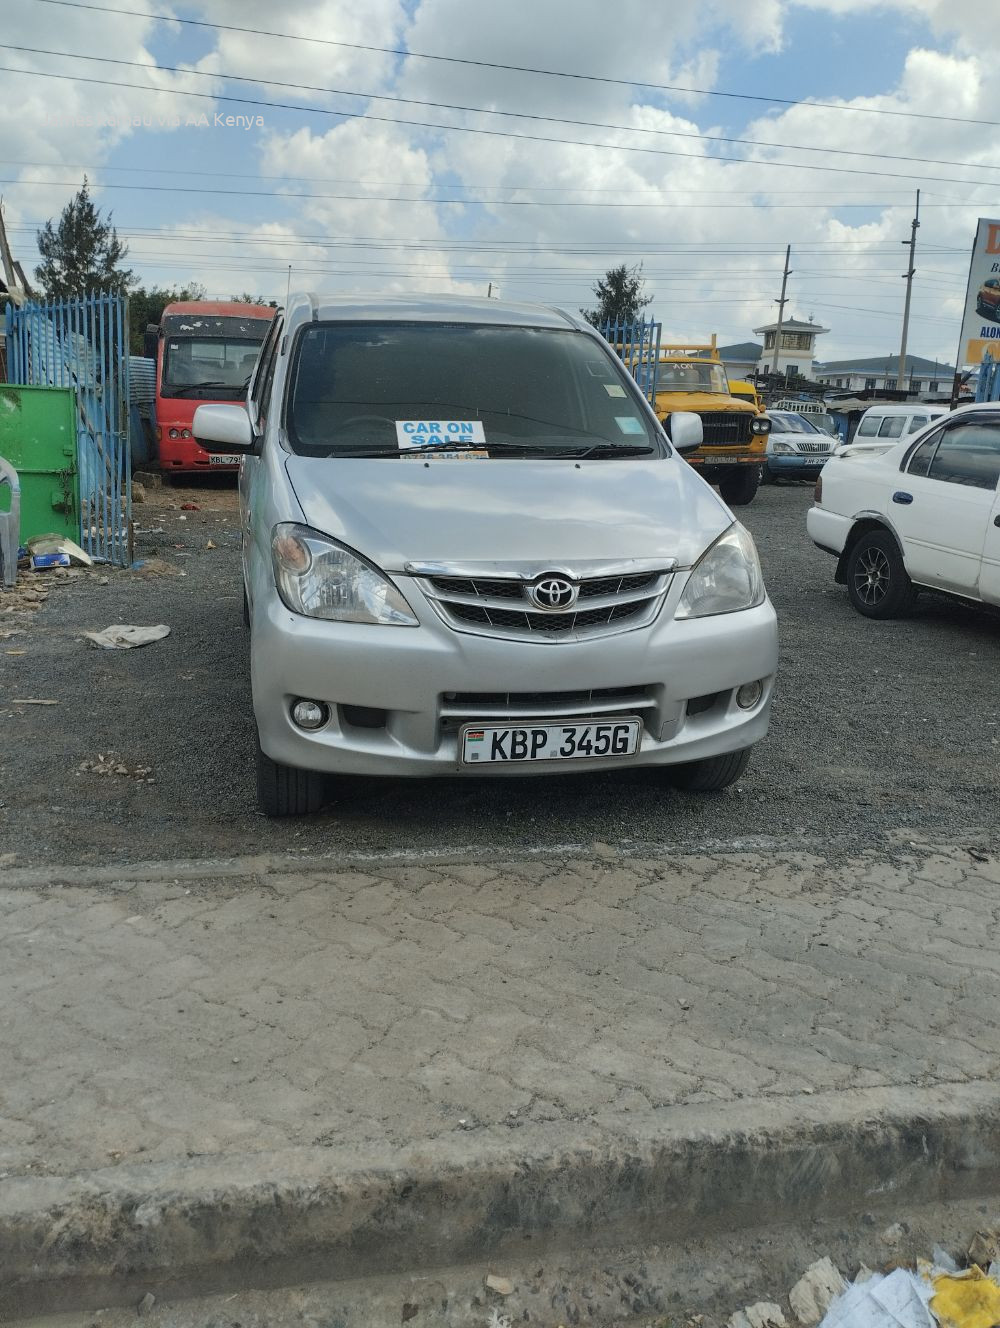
(908, 278)
(781, 309)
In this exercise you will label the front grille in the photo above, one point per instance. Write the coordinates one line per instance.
(501, 606)
(544, 701)
(814, 447)
(458, 708)
(721, 428)
(497, 588)
(546, 624)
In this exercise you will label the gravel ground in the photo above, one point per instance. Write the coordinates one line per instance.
(879, 730)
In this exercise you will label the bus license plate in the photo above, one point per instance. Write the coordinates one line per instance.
(223, 459)
(491, 744)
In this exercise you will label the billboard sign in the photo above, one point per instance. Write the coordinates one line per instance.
(981, 323)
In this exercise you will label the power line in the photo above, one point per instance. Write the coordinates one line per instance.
(489, 133)
(479, 110)
(90, 168)
(422, 202)
(496, 245)
(519, 69)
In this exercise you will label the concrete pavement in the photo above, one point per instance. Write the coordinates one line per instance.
(277, 1027)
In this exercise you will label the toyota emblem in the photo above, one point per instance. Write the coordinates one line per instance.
(553, 593)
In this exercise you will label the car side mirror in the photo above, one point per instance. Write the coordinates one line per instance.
(686, 432)
(223, 428)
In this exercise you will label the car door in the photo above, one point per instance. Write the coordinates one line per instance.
(989, 577)
(945, 500)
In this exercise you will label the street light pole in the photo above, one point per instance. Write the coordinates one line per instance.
(781, 309)
(908, 277)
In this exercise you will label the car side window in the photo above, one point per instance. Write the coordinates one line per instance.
(969, 453)
(892, 426)
(923, 454)
(867, 428)
(916, 423)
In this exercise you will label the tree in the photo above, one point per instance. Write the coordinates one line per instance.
(254, 299)
(620, 292)
(147, 306)
(82, 252)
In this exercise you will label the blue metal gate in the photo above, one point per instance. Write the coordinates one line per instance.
(83, 344)
(637, 341)
(988, 385)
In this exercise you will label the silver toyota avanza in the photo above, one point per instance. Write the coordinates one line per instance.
(470, 548)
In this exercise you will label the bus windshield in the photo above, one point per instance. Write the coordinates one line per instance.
(223, 364)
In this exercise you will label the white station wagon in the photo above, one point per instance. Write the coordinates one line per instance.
(923, 515)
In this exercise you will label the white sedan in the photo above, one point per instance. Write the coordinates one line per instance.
(923, 515)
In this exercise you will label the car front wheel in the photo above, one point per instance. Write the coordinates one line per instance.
(282, 790)
(710, 774)
(877, 582)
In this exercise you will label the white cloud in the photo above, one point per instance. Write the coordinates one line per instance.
(714, 241)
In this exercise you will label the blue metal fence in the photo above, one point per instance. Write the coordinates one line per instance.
(988, 384)
(83, 344)
(637, 341)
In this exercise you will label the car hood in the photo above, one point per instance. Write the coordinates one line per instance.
(780, 435)
(672, 399)
(401, 511)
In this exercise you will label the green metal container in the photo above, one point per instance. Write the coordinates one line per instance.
(38, 438)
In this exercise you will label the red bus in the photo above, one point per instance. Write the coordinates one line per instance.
(205, 350)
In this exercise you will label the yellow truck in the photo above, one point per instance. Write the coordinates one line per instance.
(735, 432)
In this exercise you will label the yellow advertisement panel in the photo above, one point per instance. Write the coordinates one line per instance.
(981, 324)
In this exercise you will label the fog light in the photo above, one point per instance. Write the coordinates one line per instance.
(173, 433)
(749, 694)
(185, 433)
(310, 714)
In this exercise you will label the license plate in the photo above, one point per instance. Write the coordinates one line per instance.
(223, 459)
(495, 744)
(724, 461)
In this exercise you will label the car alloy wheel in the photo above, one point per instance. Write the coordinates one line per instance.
(872, 575)
(876, 577)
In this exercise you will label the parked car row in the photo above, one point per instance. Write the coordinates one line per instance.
(472, 546)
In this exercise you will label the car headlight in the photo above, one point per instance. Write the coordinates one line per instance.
(760, 424)
(781, 449)
(725, 579)
(320, 578)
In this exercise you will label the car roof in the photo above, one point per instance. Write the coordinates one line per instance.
(906, 408)
(429, 309)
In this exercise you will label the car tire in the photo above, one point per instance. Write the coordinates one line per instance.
(877, 581)
(282, 790)
(738, 490)
(710, 774)
(766, 475)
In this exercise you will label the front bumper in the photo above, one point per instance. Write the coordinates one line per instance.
(423, 680)
(796, 467)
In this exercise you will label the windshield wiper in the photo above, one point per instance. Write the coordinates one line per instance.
(422, 448)
(606, 449)
(185, 388)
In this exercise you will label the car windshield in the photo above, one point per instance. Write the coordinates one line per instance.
(222, 364)
(787, 422)
(389, 388)
(691, 377)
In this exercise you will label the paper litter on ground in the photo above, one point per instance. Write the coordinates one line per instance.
(122, 636)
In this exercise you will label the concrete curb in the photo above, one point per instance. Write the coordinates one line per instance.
(208, 1225)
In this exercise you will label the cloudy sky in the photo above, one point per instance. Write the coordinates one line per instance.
(368, 170)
